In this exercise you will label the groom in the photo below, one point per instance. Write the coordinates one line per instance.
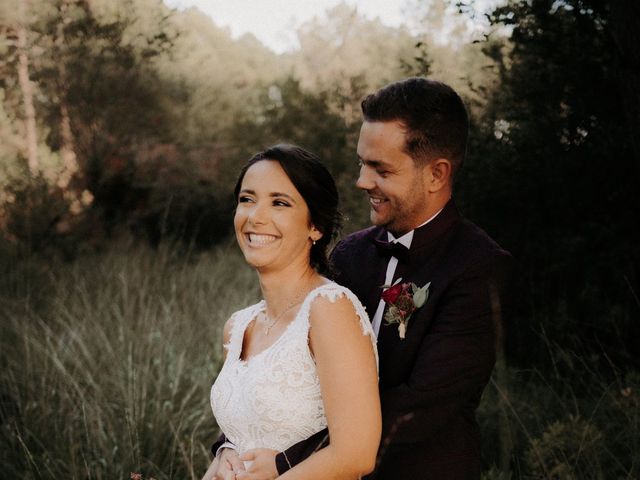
(434, 368)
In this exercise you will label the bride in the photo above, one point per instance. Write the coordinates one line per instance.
(304, 357)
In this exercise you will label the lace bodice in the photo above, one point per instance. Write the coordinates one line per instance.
(273, 399)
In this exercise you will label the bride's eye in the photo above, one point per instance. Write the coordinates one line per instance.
(281, 203)
(244, 199)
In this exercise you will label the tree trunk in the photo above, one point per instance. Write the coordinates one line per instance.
(27, 94)
(67, 148)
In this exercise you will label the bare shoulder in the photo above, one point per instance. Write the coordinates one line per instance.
(340, 329)
(335, 309)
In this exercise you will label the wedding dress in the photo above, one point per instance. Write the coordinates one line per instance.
(272, 399)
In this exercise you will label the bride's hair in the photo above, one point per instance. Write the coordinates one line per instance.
(316, 186)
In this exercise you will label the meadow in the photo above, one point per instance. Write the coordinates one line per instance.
(123, 123)
(107, 363)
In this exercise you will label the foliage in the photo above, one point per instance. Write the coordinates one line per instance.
(344, 45)
(450, 49)
(107, 362)
(163, 107)
(539, 424)
(534, 180)
(108, 371)
(211, 81)
(129, 78)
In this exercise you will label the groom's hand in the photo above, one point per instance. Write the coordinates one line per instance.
(229, 465)
(263, 464)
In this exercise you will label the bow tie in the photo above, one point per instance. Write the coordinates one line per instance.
(392, 249)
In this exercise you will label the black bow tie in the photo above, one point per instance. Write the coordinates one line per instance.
(392, 249)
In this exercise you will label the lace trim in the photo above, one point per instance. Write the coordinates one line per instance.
(277, 401)
(332, 292)
(241, 319)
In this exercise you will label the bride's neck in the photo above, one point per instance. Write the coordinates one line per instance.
(279, 289)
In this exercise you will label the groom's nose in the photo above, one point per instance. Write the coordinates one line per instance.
(365, 180)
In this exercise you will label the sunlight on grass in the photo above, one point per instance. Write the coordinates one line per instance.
(109, 372)
(107, 363)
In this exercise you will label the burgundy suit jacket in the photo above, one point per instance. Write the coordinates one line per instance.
(430, 381)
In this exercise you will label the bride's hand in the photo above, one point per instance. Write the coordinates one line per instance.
(228, 464)
(262, 467)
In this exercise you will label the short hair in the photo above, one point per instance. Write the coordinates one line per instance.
(433, 114)
(316, 186)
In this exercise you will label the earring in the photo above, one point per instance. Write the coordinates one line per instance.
(313, 241)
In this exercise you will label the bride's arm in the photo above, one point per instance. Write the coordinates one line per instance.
(210, 474)
(349, 382)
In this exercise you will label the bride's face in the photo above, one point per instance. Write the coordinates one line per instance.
(272, 221)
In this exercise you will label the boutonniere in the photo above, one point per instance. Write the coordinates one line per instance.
(403, 299)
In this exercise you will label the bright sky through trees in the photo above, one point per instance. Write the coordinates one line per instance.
(274, 22)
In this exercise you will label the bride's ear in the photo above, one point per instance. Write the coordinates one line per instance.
(315, 234)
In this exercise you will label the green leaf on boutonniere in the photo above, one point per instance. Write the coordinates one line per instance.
(420, 295)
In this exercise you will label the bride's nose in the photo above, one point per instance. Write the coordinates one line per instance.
(258, 214)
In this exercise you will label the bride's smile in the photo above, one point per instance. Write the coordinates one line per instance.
(272, 220)
(257, 240)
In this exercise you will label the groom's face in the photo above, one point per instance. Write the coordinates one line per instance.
(393, 182)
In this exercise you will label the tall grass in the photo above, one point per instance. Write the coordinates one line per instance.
(571, 421)
(107, 362)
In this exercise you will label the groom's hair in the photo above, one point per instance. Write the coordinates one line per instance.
(433, 115)
(316, 186)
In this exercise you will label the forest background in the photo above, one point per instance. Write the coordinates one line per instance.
(123, 125)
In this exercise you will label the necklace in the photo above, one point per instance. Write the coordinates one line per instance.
(296, 300)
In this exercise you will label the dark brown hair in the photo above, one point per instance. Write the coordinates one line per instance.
(433, 115)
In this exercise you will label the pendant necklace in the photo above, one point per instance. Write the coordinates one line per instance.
(296, 300)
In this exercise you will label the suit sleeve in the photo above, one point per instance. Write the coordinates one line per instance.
(218, 443)
(455, 359)
(301, 451)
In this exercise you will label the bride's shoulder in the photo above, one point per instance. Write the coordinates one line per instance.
(334, 304)
(332, 291)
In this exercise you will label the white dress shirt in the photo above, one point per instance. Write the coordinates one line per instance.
(405, 240)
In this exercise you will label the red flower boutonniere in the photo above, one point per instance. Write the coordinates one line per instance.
(403, 299)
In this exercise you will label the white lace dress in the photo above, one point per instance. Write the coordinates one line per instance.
(273, 400)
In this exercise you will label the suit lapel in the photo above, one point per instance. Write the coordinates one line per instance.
(372, 295)
(418, 269)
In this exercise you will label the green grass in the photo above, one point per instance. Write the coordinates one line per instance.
(571, 421)
(107, 362)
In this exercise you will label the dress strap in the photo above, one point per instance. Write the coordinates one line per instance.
(332, 291)
(240, 320)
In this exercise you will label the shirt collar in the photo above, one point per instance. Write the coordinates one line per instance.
(407, 238)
